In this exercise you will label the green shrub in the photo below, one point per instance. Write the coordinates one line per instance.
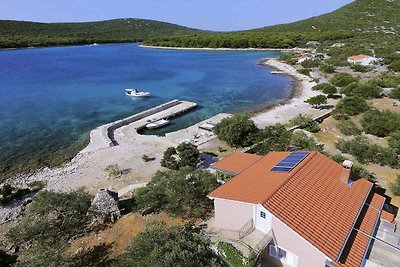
(395, 66)
(303, 142)
(272, 138)
(304, 71)
(185, 155)
(366, 152)
(395, 93)
(361, 68)
(342, 79)
(237, 131)
(327, 68)
(317, 101)
(310, 63)
(322, 86)
(160, 245)
(305, 122)
(233, 257)
(394, 141)
(351, 105)
(348, 127)
(387, 80)
(365, 90)
(381, 123)
(180, 193)
(395, 186)
(9, 193)
(146, 158)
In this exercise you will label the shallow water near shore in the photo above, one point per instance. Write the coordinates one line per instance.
(50, 98)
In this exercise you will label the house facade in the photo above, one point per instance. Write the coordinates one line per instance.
(315, 210)
(361, 60)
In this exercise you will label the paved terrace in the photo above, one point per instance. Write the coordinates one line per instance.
(103, 136)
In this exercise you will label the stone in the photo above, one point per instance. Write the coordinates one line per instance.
(105, 207)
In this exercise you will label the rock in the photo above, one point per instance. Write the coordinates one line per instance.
(105, 206)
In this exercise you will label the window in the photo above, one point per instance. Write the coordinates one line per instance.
(277, 252)
(262, 214)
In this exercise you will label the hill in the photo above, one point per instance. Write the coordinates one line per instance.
(366, 26)
(15, 34)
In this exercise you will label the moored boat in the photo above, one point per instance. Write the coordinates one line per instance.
(136, 93)
(157, 124)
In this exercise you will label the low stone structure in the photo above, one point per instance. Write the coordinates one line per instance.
(105, 206)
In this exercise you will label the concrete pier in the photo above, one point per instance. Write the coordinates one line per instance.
(103, 136)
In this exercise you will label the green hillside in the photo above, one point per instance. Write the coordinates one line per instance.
(24, 34)
(366, 26)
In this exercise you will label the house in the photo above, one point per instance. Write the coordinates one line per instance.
(315, 211)
(361, 60)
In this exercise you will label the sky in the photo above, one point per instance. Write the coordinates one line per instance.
(221, 15)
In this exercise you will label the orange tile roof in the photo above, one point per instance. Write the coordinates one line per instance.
(256, 182)
(236, 162)
(358, 57)
(387, 216)
(310, 199)
(357, 245)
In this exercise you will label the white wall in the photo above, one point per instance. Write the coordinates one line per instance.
(289, 240)
(232, 215)
(261, 223)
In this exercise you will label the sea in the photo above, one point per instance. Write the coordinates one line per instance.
(51, 98)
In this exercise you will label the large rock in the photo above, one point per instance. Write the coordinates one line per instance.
(105, 206)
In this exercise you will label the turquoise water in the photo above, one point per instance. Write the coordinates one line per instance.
(51, 98)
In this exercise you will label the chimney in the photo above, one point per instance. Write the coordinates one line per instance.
(345, 175)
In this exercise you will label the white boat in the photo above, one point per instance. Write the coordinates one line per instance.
(94, 44)
(157, 124)
(135, 92)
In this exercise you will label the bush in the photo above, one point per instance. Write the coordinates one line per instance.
(159, 245)
(361, 68)
(342, 79)
(395, 66)
(52, 216)
(395, 186)
(394, 141)
(303, 142)
(327, 68)
(316, 101)
(365, 152)
(305, 122)
(304, 71)
(395, 93)
(351, 105)
(324, 86)
(185, 155)
(310, 63)
(9, 193)
(387, 80)
(381, 123)
(238, 130)
(272, 138)
(181, 193)
(348, 127)
(146, 158)
(233, 257)
(364, 90)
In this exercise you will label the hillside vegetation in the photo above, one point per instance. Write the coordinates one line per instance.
(366, 26)
(14, 34)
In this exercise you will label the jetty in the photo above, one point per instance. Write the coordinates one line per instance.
(103, 136)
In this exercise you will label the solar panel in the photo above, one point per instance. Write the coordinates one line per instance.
(291, 161)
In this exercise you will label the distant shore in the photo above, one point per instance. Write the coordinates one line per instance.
(225, 49)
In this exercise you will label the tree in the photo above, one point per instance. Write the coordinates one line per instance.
(237, 130)
(327, 68)
(365, 90)
(348, 127)
(351, 105)
(394, 141)
(275, 137)
(381, 123)
(395, 93)
(329, 90)
(305, 122)
(185, 155)
(181, 193)
(316, 101)
(342, 79)
(395, 186)
(169, 159)
(178, 246)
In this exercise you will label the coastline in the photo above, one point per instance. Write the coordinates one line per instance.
(296, 49)
(89, 168)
